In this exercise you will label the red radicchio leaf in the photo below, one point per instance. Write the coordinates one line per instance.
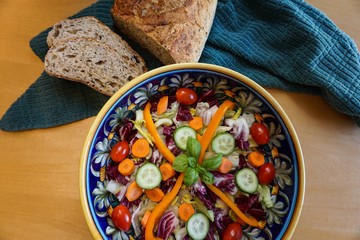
(209, 97)
(126, 131)
(241, 143)
(113, 173)
(167, 224)
(156, 157)
(222, 219)
(183, 113)
(213, 233)
(251, 205)
(199, 190)
(168, 185)
(225, 182)
(168, 130)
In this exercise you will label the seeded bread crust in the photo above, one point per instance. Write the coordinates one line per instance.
(91, 62)
(174, 31)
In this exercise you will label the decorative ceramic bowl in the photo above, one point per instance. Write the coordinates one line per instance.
(283, 149)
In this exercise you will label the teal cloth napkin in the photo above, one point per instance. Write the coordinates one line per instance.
(288, 45)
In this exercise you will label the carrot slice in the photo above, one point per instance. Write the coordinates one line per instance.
(247, 219)
(152, 130)
(198, 137)
(162, 105)
(155, 194)
(133, 192)
(167, 171)
(145, 218)
(196, 123)
(214, 123)
(256, 159)
(186, 210)
(161, 208)
(140, 148)
(225, 165)
(126, 167)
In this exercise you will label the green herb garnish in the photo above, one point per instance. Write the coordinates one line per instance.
(188, 163)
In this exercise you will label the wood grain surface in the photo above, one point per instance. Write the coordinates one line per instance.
(39, 196)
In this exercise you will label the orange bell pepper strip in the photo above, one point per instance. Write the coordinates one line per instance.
(168, 198)
(213, 125)
(247, 219)
(149, 123)
(205, 141)
(159, 210)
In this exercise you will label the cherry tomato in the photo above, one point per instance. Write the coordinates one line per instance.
(186, 96)
(266, 173)
(120, 151)
(121, 217)
(260, 133)
(232, 231)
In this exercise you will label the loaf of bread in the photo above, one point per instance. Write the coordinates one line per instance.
(174, 31)
(87, 51)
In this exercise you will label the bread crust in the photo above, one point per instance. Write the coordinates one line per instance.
(174, 31)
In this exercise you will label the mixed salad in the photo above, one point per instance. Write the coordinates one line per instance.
(189, 167)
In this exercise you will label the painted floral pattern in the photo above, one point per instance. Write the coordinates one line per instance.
(224, 88)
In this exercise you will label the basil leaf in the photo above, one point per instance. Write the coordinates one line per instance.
(192, 162)
(213, 163)
(200, 169)
(180, 163)
(207, 177)
(193, 147)
(191, 175)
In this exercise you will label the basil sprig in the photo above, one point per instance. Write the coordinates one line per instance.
(188, 163)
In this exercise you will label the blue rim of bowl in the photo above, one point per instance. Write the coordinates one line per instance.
(299, 181)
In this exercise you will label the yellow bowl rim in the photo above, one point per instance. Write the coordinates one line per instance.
(201, 66)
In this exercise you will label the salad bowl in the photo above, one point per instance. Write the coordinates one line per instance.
(241, 168)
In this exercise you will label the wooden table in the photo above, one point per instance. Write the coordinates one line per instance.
(39, 193)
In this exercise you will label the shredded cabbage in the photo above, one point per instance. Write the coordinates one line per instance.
(265, 195)
(238, 127)
(181, 234)
(208, 115)
(139, 212)
(169, 113)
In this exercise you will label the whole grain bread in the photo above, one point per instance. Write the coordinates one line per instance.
(90, 27)
(91, 62)
(85, 50)
(174, 31)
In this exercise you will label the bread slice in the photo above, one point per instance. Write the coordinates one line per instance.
(174, 31)
(105, 68)
(90, 27)
(91, 62)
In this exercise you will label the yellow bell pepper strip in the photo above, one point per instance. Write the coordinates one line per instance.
(247, 219)
(159, 210)
(150, 125)
(213, 125)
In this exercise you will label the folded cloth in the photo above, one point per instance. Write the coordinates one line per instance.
(288, 45)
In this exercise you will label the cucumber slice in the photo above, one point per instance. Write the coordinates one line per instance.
(223, 143)
(181, 136)
(246, 180)
(148, 176)
(198, 226)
